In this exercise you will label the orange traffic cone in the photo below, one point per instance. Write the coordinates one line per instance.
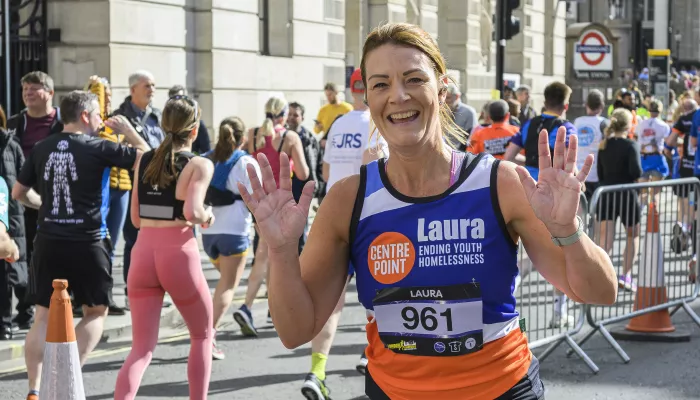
(651, 290)
(61, 376)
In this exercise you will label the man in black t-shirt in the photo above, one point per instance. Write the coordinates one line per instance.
(681, 232)
(71, 171)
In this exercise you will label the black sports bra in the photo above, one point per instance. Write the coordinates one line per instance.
(160, 203)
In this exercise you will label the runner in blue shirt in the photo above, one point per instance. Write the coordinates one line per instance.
(556, 102)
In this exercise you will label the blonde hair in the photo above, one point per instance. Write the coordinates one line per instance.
(408, 35)
(274, 108)
(620, 123)
(680, 110)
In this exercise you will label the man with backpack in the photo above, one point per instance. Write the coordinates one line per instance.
(556, 102)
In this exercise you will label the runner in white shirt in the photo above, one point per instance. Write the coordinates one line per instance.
(348, 146)
(227, 241)
(651, 135)
(590, 133)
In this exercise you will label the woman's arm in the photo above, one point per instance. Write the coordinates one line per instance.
(304, 290)
(134, 209)
(635, 161)
(195, 179)
(296, 153)
(582, 270)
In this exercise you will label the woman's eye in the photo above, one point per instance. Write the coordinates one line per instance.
(415, 80)
(379, 85)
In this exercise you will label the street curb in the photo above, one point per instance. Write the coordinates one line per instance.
(168, 319)
(16, 351)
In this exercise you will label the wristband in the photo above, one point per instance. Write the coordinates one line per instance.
(569, 240)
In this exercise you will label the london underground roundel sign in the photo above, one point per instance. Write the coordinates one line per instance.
(593, 55)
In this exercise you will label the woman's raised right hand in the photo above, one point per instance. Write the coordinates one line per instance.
(278, 217)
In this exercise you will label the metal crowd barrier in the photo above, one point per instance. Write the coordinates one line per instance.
(660, 268)
(536, 304)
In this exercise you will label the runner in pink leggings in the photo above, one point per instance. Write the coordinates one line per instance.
(167, 201)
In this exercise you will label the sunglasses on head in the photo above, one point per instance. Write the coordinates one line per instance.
(189, 101)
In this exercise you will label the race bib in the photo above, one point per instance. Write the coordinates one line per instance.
(431, 321)
(650, 148)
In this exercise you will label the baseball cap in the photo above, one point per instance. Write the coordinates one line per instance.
(356, 84)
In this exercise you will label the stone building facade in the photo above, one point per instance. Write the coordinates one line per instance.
(233, 54)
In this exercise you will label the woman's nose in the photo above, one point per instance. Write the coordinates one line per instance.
(398, 93)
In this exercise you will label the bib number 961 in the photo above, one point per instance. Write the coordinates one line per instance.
(427, 318)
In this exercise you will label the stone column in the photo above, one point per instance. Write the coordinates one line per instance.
(382, 11)
(423, 13)
(354, 32)
(462, 40)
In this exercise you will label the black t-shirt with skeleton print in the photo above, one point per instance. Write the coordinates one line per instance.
(71, 173)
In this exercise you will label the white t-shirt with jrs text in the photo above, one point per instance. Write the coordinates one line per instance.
(346, 142)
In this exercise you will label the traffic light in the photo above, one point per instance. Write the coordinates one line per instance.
(512, 24)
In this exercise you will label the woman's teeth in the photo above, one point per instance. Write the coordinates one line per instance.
(401, 117)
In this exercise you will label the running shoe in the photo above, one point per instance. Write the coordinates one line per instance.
(561, 321)
(216, 352)
(315, 389)
(625, 282)
(361, 366)
(269, 317)
(244, 318)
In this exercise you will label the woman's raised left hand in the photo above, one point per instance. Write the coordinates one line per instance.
(555, 196)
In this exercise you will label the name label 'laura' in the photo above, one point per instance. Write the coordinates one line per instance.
(451, 229)
(432, 293)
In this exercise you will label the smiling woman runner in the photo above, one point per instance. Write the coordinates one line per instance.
(433, 236)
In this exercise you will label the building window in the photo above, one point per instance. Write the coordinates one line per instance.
(649, 7)
(617, 9)
(276, 28)
(263, 10)
(336, 44)
(334, 10)
(528, 21)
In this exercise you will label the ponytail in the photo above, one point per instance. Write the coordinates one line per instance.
(620, 121)
(275, 108)
(161, 170)
(230, 137)
(266, 129)
(180, 118)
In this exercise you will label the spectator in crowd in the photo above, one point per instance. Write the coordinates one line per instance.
(522, 94)
(332, 110)
(514, 110)
(145, 119)
(32, 125)
(633, 87)
(464, 115)
(202, 144)
(14, 268)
